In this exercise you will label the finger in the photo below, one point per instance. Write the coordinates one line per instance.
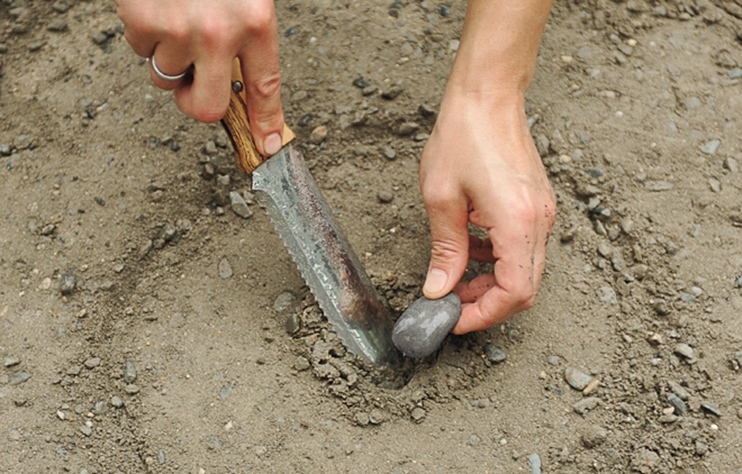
(449, 255)
(260, 68)
(513, 289)
(206, 96)
(171, 61)
(471, 291)
(480, 249)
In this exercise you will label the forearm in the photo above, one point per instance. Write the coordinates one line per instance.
(498, 46)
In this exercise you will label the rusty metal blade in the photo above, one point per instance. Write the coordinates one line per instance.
(284, 185)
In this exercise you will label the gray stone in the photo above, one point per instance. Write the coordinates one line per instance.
(385, 195)
(710, 409)
(392, 93)
(407, 128)
(715, 185)
(11, 361)
(576, 379)
(130, 372)
(678, 390)
(735, 73)
(225, 269)
(361, 418)
(421, 329)
(283, 302)
(732, 164)
(301, 364)
(67, 284)
(57, 25)
(534, 461)
(388, 152)
(677, 404)
(657, 186)
(19, 378)
(225, 391)
(131, 389)
(606, 294)
(701, 448)
(161, 457)
(418, 415)
(594, 436)
(5, 149)
(239, 206)
(585, 405)
(710, 147)
(668, 418)
(92, 363)
(684, 350)
(494, 354)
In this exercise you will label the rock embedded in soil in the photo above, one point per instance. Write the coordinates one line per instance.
(225, 269)
(421, 329)
(585, 405)
(239, 206)
(710, 409)
(594, 436)
(677, 403)
(130, 373)
(534, 461)
(494, 354)
(678, 390)
(684, 350)
(576, 379)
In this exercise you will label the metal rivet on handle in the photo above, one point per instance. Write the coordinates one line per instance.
(237, 86)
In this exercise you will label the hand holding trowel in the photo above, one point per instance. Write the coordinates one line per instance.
(282, 183)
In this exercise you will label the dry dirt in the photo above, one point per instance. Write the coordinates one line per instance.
(152, 361)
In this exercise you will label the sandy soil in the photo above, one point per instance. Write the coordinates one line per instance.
(126, 348)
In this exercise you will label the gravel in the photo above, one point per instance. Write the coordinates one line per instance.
(130, 372)
(239, 206)
(594, 436)
(585, 405)
(710, 409)
(494, 354)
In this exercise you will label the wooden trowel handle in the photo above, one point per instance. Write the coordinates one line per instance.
(237, 125)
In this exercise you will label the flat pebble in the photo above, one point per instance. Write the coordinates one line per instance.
(678, 390)
(684, 350)
(385, 195)
(225, 269)
(585, 405)
(677, 403)
(283, 301)
(421, 329)
(576, 379)
(710, 147)
(534, 460)
(131, 389)
(710, 409)
(19, 378)
(92, 363)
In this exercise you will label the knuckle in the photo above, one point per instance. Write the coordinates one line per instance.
(525, 297)
(268, 86)
(444, 251)
(261, 19)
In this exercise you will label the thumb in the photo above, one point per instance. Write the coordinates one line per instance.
(450, 249)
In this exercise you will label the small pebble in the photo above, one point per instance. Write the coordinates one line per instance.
(131, 389)
(385, 195)
(130, 373)
(92, 363)
(318, 135)
(421, 329)
(535, 462)
(392, 93)
(678, 390)
(19, 378)
(668, 418)
(388, 152)
(494, 354)
(116, 402)
(594, 436)
(585, 405)
(576, 379)
(225, 269)
(684, 350)
(710, 147)
(239, 206)
(710, 409)
(361, 82)
(677, 403)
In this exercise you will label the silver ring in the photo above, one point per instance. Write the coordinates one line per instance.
(162, 75)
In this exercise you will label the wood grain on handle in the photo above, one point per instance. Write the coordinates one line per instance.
(237, 125)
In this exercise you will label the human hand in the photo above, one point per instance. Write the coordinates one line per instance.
(206, 37)
(480, 165)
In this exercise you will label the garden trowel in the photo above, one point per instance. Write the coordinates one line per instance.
(283, 184)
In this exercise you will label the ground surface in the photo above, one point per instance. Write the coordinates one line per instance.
(158, 359)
